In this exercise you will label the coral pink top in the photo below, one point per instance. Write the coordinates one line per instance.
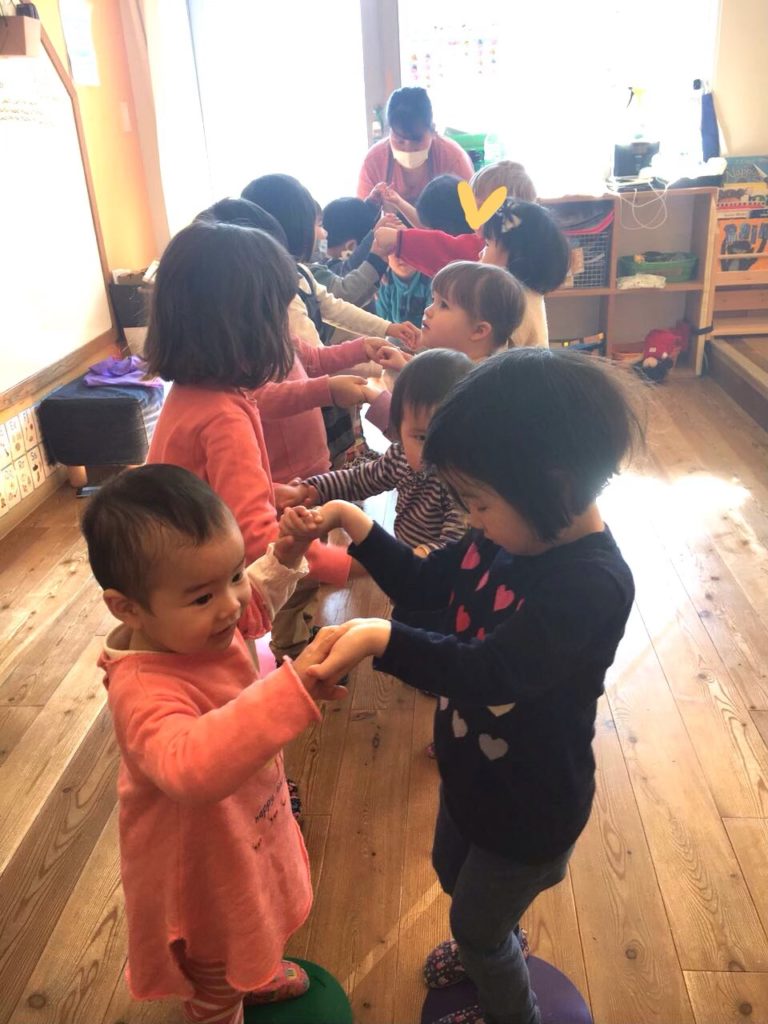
(445, 157)
(218, 436)
(210, 852)
(293, 425)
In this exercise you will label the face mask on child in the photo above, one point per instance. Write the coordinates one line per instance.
(410, 160)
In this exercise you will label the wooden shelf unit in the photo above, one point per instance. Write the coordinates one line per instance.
(740, 300)
(678, 220)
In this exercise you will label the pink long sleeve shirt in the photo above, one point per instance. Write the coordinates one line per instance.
(293, 425)
(217, 435)
(210, 852)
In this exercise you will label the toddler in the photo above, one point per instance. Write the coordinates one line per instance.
(213, 865)
(426, 516)
(534, 603)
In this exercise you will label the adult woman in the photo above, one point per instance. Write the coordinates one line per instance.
(414, 153)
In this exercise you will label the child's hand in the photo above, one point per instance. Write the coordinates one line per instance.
(362, 638)
(392, 196)
(384, 241)
(373, 346)
(405, 332)
(347, 390)
(390, 220)
(421, 550)
(296, 492)
(317, 653)
(289, 550)
(376, 195)
(372, 390)
(392, 358)
(303, 524)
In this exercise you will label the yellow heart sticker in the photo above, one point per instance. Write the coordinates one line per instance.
(474, 216)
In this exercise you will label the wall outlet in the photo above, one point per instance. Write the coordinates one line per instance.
(11, 487)
(36, 466)
(5, 447)
(24, 476)
(29, 428)
(16, 436)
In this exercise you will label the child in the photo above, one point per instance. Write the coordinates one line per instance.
(218, 329)
(438, 207)
(214, 868)
(535, 604)
(521, 237)
(347, 270)
(403, 293)
(503, 174)
(426, 517)
(475, 309)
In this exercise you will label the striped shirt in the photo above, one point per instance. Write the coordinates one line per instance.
(425, 514)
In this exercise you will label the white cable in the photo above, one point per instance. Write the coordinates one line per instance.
(630, 199)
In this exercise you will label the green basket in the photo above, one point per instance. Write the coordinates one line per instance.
(674, 266)
(472, 144)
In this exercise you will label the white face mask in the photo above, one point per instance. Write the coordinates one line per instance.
(410, 160)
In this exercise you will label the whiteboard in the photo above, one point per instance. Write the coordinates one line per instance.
(52, 294)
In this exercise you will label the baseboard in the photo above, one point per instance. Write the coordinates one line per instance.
(743, 380)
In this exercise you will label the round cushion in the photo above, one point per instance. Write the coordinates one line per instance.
(560, 1001)
(324, 1002)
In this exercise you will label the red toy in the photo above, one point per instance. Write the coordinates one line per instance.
(661, 349)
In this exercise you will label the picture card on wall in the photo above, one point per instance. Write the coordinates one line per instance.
(24, 476)
(5, 446)
(11, 486)
(29, 428)
(36, 466)
(16, 437)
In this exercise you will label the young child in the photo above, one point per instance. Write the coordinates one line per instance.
(219, 329)
(438, 207)
(476, 309)
(426, 517)
(503, 174)
(403, 293)
(346, 260)
(521, 237)
(204, 809)
(535, 602)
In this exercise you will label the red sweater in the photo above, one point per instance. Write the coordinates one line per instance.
(217, 435)
(429, 251)
(293, 425)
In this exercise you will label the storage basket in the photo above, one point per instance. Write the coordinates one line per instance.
(676, 267)
(587, 226)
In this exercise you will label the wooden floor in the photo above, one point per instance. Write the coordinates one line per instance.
(664, 914)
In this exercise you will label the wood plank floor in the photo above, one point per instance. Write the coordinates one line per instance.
(663, 918)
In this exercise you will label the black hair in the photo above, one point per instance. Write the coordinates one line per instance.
(545, 429)
(247, 215)
(439, 206)
(537, 251)
(291, 205)
(484, 292)
(129, 522)
(424, 382)
(219, 310)
(409, 112)
(347, 218)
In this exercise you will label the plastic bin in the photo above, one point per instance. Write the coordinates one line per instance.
(676, 267)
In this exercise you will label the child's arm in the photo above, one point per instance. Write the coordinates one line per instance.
(277, 572)
(332, 358)
(427, 250)
(409, 212)
(201, 758)
(358, 284)
(344, 314)
(361, 481)
(531, 655)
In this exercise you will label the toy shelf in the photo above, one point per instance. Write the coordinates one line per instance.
(677, 220)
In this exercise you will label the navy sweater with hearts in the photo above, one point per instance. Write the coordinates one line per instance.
(519, 664)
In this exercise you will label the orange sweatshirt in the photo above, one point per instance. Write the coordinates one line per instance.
(210, 852)
(218, 436)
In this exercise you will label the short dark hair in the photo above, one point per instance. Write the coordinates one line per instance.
(247, 215)
(409, 112)
(439, 206)
(537, 251)
(291, 205)
(545, 429)
(220, 308)
(425, 381)
(484, 292)
(129, 522)
(347, 218)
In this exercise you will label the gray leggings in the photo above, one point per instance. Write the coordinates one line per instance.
(489, 894)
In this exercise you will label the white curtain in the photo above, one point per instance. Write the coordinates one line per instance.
(164, 81)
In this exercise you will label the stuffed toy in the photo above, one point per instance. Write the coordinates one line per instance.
(661, 349)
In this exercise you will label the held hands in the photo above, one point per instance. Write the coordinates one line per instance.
(391, 358)
(311, 523)
(373, 346)
(406, 332)
(361, 638)
(376, 195)
(347, 390)
(316, 654)
(305, 524)
(295, 492)
(385, 240)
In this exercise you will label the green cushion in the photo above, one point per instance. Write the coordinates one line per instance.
(324, 1003)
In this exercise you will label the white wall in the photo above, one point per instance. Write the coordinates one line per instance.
(741, 76)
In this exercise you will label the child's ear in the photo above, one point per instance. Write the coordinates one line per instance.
(350, 244)
(482, 333)
(123, 608)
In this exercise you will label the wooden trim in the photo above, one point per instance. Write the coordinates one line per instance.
(70, 364)
(22, 395)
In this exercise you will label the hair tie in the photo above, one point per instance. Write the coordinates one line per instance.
(509, 219)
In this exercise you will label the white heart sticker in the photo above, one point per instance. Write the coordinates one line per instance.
(460, 727)
(492, 748)
(500, 709)
(443, 703)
